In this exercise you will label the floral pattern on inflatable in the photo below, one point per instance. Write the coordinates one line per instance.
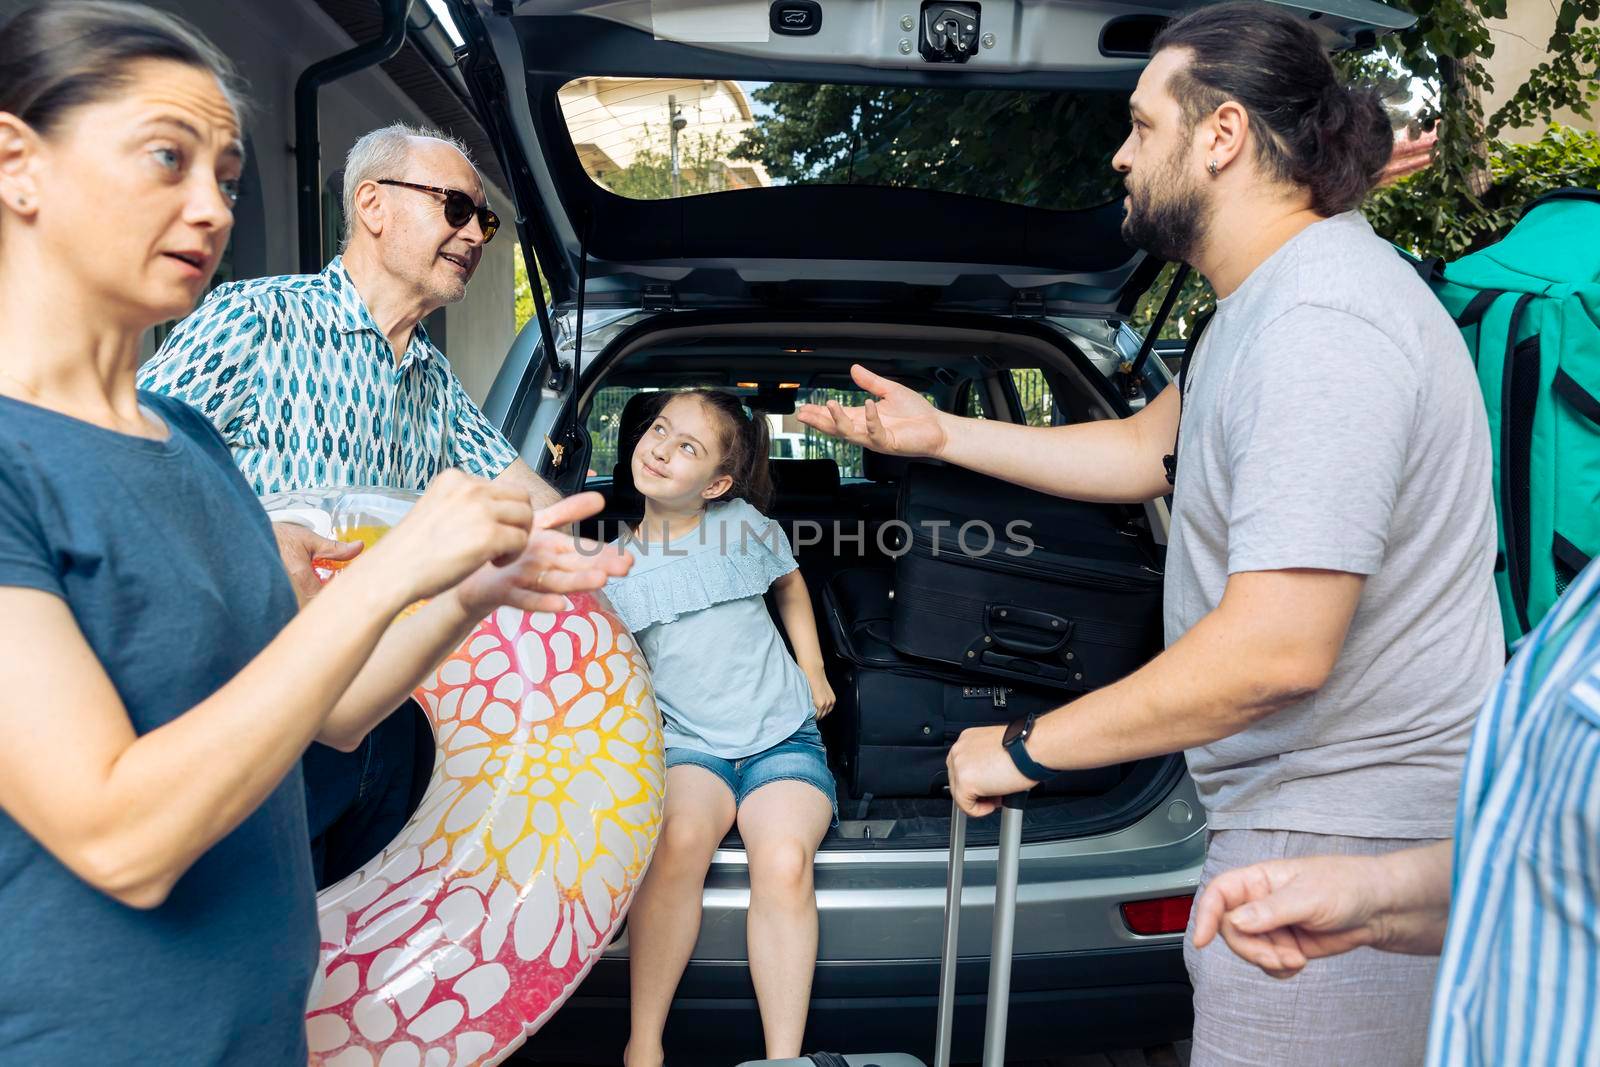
(472, 928)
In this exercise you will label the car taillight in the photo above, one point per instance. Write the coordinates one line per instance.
(1164, 915)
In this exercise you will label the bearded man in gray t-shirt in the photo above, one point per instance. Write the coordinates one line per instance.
(1331, 620)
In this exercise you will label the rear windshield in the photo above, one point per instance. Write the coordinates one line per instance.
(657, 138)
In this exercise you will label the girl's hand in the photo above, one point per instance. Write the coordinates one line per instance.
(821, 692)
(550, 566)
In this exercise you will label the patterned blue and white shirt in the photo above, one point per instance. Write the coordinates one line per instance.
(303, 386)
(1518, 983)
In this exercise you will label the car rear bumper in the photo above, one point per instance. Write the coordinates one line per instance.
(1060, 1004)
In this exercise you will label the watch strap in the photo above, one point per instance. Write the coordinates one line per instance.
(1030, 767)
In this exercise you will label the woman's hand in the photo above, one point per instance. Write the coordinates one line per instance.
(551, 565)
(461, 523)
(899, 421)
(821, 692)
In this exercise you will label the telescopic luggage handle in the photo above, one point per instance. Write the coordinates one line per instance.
(1001, 938)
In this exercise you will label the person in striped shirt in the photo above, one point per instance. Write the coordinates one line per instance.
(1518, 921)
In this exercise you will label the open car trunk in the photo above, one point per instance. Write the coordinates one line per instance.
(972, 364)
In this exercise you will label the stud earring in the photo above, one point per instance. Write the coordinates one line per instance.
(1212, 167)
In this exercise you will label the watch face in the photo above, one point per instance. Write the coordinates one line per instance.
(1017, 729)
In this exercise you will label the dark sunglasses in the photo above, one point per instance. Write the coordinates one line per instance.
(458, 207)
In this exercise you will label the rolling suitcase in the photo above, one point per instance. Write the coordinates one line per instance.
(897, 718)
(1019, 584)
(1005, 915)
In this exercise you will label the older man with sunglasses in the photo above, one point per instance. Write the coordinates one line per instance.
(330, 379)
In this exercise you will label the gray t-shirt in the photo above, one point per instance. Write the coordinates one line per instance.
(1333, 422)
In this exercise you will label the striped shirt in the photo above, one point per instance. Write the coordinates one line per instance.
(303, 385)
(1518, 982)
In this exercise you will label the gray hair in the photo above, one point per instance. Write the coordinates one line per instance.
(383, 153)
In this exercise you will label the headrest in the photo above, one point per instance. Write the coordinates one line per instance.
(634, 418)
(877, 467)
(623, 495)
(805, 477)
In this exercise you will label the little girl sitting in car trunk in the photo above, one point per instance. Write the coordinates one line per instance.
(739, 712)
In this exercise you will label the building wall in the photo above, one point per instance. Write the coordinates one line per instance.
(612, 119)
(1519, 46)
(272, 41)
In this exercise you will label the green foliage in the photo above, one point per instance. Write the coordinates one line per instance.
(1518, 173)
(522, 289)
(1043, 149)
(1195, 300)
(649, 177)
(1477, 183)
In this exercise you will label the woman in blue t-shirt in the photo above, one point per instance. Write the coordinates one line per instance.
(739, 712)
(156, 685)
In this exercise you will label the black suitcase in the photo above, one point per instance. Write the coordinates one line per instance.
(899, 717)
(1077, 609)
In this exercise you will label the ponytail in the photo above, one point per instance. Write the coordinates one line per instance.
(1348, 142)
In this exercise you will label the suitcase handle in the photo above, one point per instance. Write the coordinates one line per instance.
(1002, 938)
(1033, 633)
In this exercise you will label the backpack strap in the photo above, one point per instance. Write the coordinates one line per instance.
(1478, 307)
(1431, 271)
(1170, 462)
(1508, 475)
(1583, 401)
(1570, 555)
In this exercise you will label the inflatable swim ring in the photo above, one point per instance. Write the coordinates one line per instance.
(465, 934)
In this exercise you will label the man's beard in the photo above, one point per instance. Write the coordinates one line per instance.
(1167, 214)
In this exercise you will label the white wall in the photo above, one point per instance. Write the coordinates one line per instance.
(1519, 46)
(272, 41)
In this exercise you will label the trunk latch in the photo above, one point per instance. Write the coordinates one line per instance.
(949, 32)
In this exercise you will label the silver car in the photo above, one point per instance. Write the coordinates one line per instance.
(754, 195)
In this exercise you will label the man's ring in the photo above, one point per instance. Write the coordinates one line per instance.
(539, 581)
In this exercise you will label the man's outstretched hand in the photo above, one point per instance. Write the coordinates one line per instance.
(898, 421)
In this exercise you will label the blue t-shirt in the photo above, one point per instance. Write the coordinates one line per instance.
(168, 564)
(724, 681)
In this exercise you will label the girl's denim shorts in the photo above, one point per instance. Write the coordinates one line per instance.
(801, 757)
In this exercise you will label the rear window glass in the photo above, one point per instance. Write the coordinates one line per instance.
(657, 138)
(1033, 393)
